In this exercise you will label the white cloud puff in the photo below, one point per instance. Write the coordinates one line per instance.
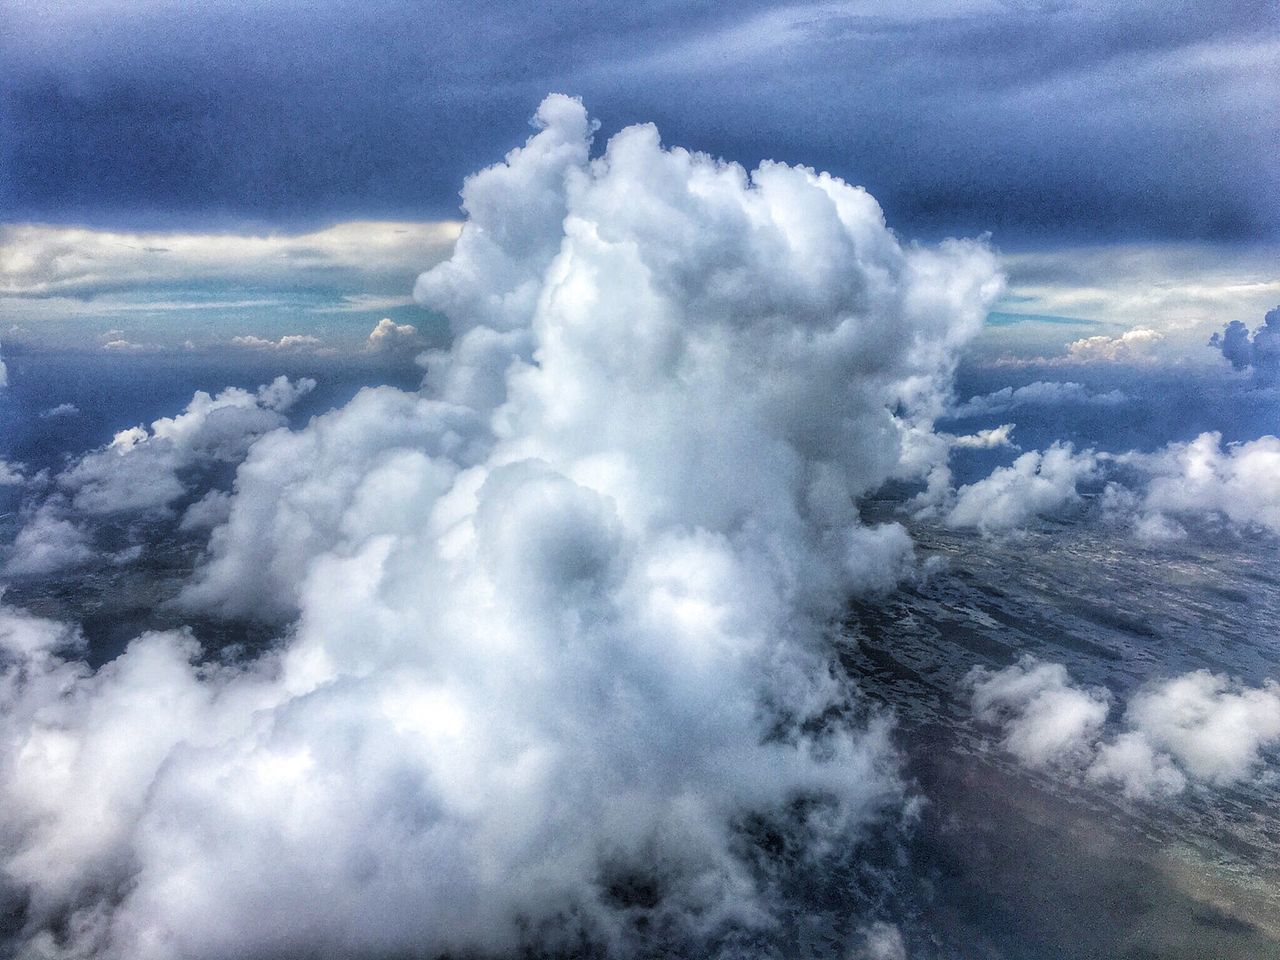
(881, 941)
(48, 541)
(141, 469)
(1196, 482)
(1213, 727)
(1132, 346)
(559, 618)
(1046, 718)
(1199, 726)
(1041, 392)
(983, 439)
(1133, 763)
(389, 337)
(1139, 346)
(11, 474)
(1037, 483)
(1204, 477)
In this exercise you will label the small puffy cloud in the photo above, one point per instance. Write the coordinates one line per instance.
(1137, 346)
(389, 337)
(1038, 483)
(1039, 393)
(983, 439)
(1137, 767)
(141, 469)
(1046, 719)
(292, 341)
(11, 474)
(4, 374)
(1214, 727)
(1132, 346)
(1259, 352)
(121, 345)
(1199, 726)
(47, 542)
(61, 410)
(1205, 478)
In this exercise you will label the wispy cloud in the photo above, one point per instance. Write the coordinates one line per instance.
(364, 303)
(62, 282)
(1180, 290)
(78, 262)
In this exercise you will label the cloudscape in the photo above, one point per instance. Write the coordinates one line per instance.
(782, 481)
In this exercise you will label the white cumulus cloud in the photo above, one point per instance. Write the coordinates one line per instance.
(1205, 479)
(1132, 346)
(387, 336)
(48, 541)
(983, 439)
(1199, 726)
(1037, 483)
(141, 468)
(1039, 393)
(1046, 718)
(558, 619)
(11, 474)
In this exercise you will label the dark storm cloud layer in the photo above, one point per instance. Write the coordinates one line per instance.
(1152, 120)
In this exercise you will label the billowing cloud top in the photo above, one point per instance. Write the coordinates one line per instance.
(558, 618)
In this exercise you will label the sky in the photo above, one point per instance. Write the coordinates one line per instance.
(1133, 145)
(1037, 121)
(598, 480)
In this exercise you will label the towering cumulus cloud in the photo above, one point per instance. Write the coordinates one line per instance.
(557, 620)
(1259, 352)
